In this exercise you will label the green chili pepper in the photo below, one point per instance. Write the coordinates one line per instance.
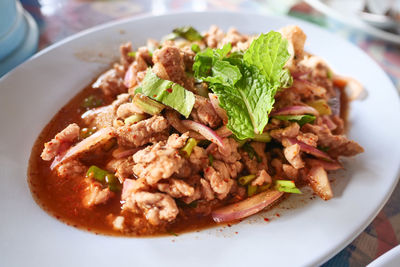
(97, 173)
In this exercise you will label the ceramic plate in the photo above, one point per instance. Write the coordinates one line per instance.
(389, 259)
(306, 233)
(347, 12)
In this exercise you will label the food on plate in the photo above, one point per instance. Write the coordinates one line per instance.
(193, 130)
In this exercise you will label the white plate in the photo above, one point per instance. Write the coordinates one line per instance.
(346, 12)
(306, 235)
(389, 259)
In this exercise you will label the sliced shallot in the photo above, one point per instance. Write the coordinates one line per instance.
(309, 149)
(246, 207)
(205, 131)
(173, 119)
(329, 166)
(93, 141)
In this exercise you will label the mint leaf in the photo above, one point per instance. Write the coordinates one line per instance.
(247, 103)
(204, 60)
(188, 33)
(269, 54)
(246, 84)
(168, 93)
(224, 73)
(300, 119)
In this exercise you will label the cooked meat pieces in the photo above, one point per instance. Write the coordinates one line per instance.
(158, 161)
(257, 162)
(262, 178)
(308, 138)
(104, 116)
(206, 190)
(99, 138)
(123, 167)
(230, 152)
(292, 154)
(169, 65)
(176, 188)
(128, 109)
(111, 83)
(131, 186)
(234, 37)
(71, 168)
(146, 156)
(213, 36)
(94, 194)
(296, 39)
(290, 171)
(60, 142)
(157, 207)
(291, 131)
(204, 112)
(337, 145)
(124, 51)
(219, 175)
(137, 70)
(143, 132)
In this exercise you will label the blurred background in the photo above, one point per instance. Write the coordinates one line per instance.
(372, 25)
(29, 26)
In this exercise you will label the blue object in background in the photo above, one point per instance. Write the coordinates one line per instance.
(19, 35)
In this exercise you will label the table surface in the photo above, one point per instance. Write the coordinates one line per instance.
(61, 18)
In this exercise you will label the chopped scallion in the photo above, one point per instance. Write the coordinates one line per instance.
(195, 48)
(148, 105)
(188, 148)
(287, 186)
(134, 119)
(244, 180)
(264, 137)
(251, 190)
(210, 159)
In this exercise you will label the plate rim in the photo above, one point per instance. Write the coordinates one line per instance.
(329, 254)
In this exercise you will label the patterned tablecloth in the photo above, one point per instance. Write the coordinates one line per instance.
(60, 18)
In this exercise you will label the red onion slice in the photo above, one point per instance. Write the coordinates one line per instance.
(328, 122)
(96, 139)
(295, 110)
(246, 207)
(220, 111)
(205, 131)
(176, 123)
(329, 166)
(309, 149)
